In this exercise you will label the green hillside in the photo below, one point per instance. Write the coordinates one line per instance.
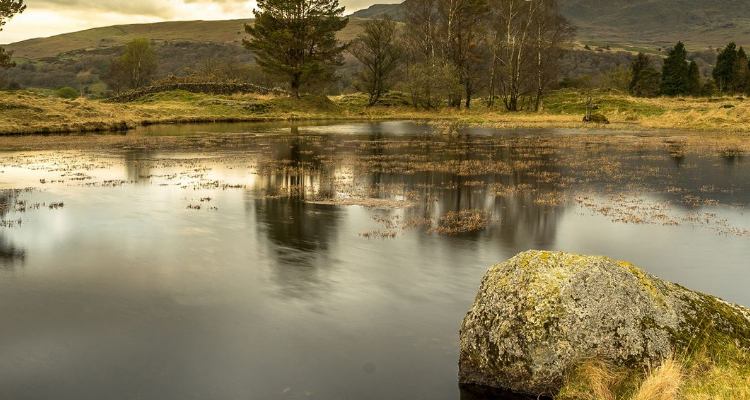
(79, 59)
(225, 32)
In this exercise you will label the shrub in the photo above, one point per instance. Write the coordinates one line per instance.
(597, 118)
(67, 92)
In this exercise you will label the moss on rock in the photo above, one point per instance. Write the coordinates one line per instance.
(540, 313)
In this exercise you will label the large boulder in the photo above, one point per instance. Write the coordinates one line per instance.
(540, 313)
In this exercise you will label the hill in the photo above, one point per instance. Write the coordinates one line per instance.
(78, 59)
(698, 23)
(650, 23)
(396, 11)
(224, 32)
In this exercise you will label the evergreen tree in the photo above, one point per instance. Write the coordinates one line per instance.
(640, 63)
(8, 8)
(709, 88)
(296, 39)
(648, 84)
(674, 78)
(724, 70)
(741, 73)
(694, 79)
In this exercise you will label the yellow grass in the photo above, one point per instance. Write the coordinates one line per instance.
(721, 375)
(662, 383)
(25, 112)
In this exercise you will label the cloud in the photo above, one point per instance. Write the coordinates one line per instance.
(162, 9)
(50, 17)
(131, 7)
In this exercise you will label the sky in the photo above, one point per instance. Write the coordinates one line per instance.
(51, 17)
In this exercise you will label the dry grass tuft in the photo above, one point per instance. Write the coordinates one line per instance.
(599, 380)
(662, 383)
(594, 379)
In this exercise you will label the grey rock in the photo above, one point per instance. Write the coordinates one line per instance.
(540, 313)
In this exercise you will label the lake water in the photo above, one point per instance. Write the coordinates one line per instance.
(256, 261)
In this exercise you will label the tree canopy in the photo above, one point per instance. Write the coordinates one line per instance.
(694, 79)
(724, 70)
(8, 8)
(296, 39)
(641, 62)
(380, 53)
(134, 69)
(674, 77)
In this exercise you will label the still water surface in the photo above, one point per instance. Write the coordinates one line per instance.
(195, 263)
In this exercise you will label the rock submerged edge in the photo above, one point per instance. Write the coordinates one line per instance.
(540, 313)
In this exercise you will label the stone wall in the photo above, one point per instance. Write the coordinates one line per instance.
(208, 88)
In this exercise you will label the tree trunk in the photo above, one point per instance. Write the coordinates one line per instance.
(493, 77)
(539, 82)
(295, 85)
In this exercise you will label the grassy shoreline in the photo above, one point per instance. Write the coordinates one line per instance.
(30, 113)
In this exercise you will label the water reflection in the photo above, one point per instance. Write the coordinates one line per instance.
(231, 271)
(137, 167)
(302, 234)
(10, 255)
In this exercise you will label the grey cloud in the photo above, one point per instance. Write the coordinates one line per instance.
(130, 7)
(162, 9)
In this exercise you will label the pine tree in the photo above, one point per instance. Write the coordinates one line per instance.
(640, 63)
(724, 70)
(648, 84)
(296, 39)
(694, 79)
(741, 73)
(674, 78)
(8, 8)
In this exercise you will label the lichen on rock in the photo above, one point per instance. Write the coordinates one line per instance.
(541, 313)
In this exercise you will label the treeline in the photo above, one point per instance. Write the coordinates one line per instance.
(679, 76)
(83, 69)
(506, 53)
(449, 51)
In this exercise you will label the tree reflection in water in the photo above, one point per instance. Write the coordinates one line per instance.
(10, 255)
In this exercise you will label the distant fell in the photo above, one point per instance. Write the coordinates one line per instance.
(698, 23)
(396, 11)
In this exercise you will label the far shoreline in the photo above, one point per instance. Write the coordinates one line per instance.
(27, 113)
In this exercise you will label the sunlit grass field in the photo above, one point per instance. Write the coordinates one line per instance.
(27, 112)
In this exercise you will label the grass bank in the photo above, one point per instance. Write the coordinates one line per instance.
(27, 113)
(718, 369)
